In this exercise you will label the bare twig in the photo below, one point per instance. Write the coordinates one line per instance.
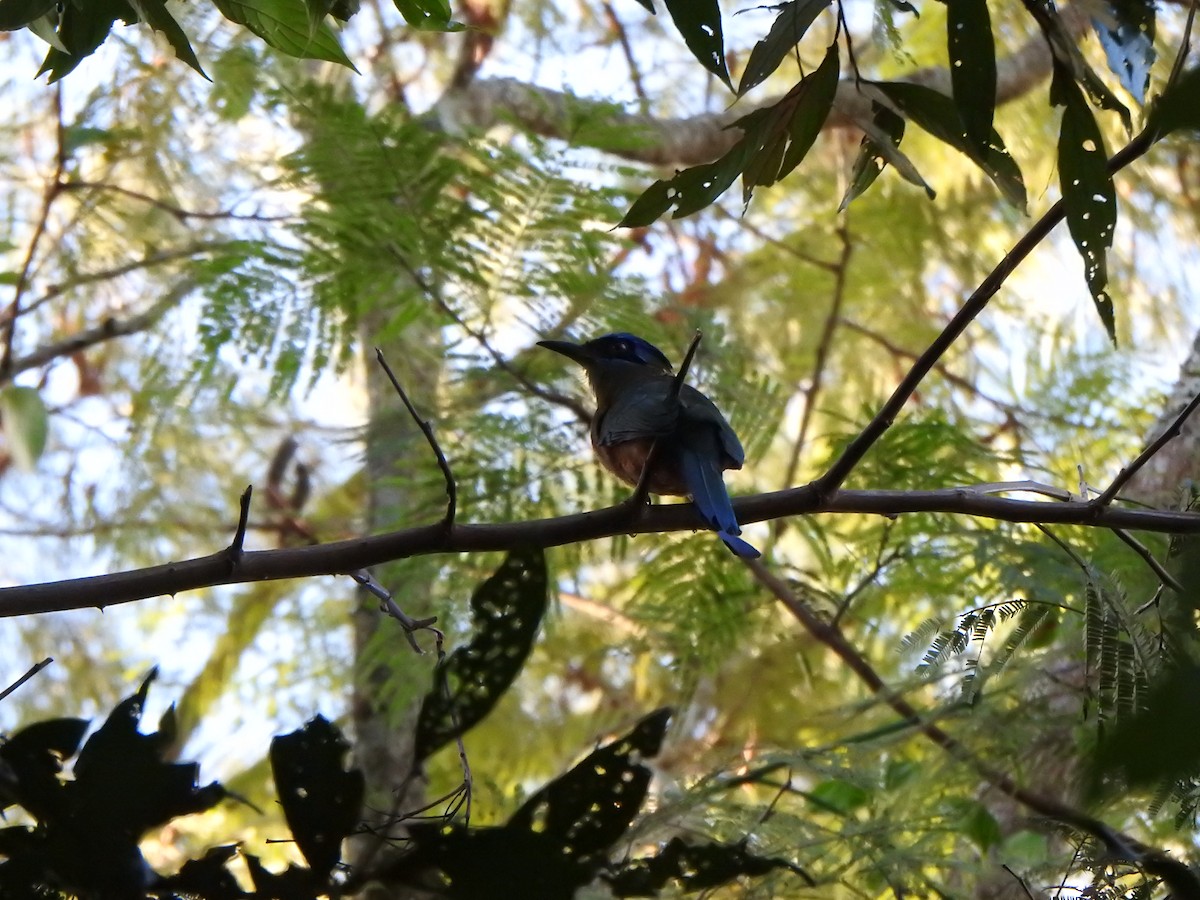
(1141, 550)
(33, 670)
(236, 548)
(427, 430)
(54, 187)
(179, 213)
(1146, 455)
(410, 625)
(468, 784)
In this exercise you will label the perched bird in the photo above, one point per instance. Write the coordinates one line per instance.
(636, 405)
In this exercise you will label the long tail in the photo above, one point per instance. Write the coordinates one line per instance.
(707, 487)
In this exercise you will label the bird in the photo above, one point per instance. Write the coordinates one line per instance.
(637, 405)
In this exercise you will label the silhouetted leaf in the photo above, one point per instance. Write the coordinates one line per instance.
(1066, 51)
(972, 68)
(880, 145)
(154, 13)
(699, 21)
(32, 760)
(1087, 188)
(696, 867)
(284, 24)
(16, 14)
(558, 840)
(1126, 32)
(506, 612)
(321, 800)
(1178, 108)
(774, 141)
(82, 29)
(206, 877)
(293, 883)
(789, 27)
(937, 114)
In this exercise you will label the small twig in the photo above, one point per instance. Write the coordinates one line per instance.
(1144, 457)
(468, 782)
(237, 547)
(33, 670)
(635, 74)
(1141, 550)
(408, 623)
(642, 490)
(427, 430)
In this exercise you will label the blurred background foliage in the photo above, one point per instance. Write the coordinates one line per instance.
(265, 230)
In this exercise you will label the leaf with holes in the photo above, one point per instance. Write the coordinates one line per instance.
(937, 114)
(1087, 189)
(321, 799)
(1126, 32)
(695, 867)
(590, 807)
(972, 68)
(428, 15)
(699, 21)
(879, 146)
(786, 31)
(506, 611)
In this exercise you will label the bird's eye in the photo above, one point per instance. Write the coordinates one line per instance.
(622, 347)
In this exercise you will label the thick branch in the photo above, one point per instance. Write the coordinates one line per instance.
(344, 557)
(486, 103)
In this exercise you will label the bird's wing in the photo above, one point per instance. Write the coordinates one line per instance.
(640, 412)
(698, 408)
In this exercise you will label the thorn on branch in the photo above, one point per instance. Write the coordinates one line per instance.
(236, 548)
(427, 430)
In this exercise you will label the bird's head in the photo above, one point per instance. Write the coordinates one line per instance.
(619, 350)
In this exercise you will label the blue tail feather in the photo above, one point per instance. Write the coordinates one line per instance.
(707, 488)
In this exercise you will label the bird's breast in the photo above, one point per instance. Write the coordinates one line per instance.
(626, 459)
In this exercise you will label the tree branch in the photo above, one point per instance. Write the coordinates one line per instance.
(486, 103)
(350, 556)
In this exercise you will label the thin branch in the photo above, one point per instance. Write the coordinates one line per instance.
(829, 483)
(635, 74)
(388, 603)
(33, 670)
(1141, 550)
(1146, 455)
(54, 188)
(343, 557)
(427, 430)
(1181, 878)
(106, 330)
(824, 348)
(178, 213)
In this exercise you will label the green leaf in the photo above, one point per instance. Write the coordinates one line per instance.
(284, 25)
(428, 15)
(786, 31)
(839, 796)
(880, 145)
(1126, 32)
(978, 824)
(972, 67)
(1178, 107)
(154, 13)
(317, 11)
(699, 21)
(46, 27)
(1087, 189)
(938, 115)
(24, 421)
(775, 140)
(16, 14)
(82, 30)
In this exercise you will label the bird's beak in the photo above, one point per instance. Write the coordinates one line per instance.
(576, 352)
